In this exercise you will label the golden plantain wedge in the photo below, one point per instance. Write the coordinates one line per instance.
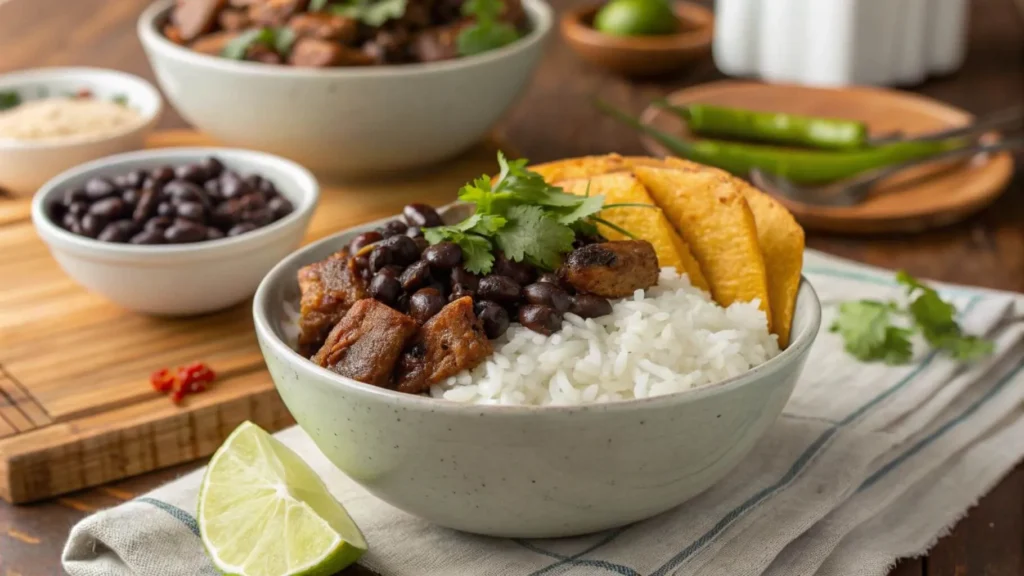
(712, 215)
(782, 243)
(646, 223)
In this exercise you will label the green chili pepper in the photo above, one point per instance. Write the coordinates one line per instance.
(771, 127)
(800, 166)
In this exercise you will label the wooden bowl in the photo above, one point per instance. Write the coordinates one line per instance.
(641, 55)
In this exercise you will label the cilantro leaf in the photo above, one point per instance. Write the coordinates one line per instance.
(9, 99)
(476, 249)
(487, 32)
(371, 13)
(863, 325)
(532, 236)
(589, 206)
(317, 5)
(476, 254)
(237, 48)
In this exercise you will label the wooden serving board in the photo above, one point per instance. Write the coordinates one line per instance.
(76, 407)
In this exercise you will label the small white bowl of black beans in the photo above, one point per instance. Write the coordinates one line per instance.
(176, 231)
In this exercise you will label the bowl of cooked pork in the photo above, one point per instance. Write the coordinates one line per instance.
(347, 88)
(551, 355)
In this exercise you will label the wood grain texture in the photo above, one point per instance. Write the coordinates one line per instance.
(555, 120)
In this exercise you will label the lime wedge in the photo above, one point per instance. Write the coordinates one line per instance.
(264, 512)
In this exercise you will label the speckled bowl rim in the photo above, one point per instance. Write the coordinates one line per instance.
(273, 282)
(540, 15)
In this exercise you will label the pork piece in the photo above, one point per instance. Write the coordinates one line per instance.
(193, 18)
(611, 269)
(438, 43)
(213, 44)
(324, 26)
(233, 19)
(367, 342)
(450, 342)
(329, 288)
(317, 53)
(275, 12)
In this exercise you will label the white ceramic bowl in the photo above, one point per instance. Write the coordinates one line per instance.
(525, 471)
(26, 164)
(180, 279)
(347, 121)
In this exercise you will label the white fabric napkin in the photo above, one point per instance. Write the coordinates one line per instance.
(868, 463)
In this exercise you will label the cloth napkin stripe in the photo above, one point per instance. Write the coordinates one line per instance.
(177, 513)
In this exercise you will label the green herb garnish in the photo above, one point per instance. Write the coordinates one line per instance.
(870, 334)
(521, 215)
(317, 5)
(371, 13)
(279, 39)
(120, 100)
(487, 32)
(9, 99)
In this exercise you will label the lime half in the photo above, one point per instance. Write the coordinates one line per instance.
(636, 18)
(264, 512)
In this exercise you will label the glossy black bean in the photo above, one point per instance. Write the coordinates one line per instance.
(211, 166)
(130, 197)
(226, 214)
(213, 233)
(442, 289)
(364, 239)
(184, 191)
(550, 278)
(547, 294)
(121, 181)
(69, 221)
(539, 318)
(120, 231)
(259, 216)
(392, 227)
(109, 208)
(267, 188)
(494, 318)
(161, 175)
(145, 208)
(424, 304)
(380, 257)
(443, 255)
(392, 271)
(78, 208)
(241, 228)
(403, 247)
(158, 224)
(55, 211)
(193, 173)
(415, 276)
(93, 224)
(193, 211)
(99, 188)
(363, 264)
(165, 209)
(521, 272)
(460, 292)
(73, 195)
(589, 306)
(232, 186)
(184, 231)
(280, 207)
(212, 189)
(385, 288)
(421, 215)
(499, 288)
(148, 237)
(253, 181)
(252, 201)
(135, 179)
(421, 243)
(414, 232)
(468, 280)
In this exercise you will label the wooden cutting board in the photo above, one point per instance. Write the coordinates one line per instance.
(76, 407)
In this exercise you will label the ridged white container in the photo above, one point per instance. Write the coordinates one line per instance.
(840, 42)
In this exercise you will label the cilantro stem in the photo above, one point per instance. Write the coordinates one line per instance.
(617, 228)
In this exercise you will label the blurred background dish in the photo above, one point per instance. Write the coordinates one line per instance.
(176, 278)
(346, 121)
(624, 47)
(54, 118)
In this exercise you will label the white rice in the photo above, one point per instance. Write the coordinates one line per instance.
(670, 339)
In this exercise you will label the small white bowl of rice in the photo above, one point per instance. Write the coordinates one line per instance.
(605, 422)
(52, 119)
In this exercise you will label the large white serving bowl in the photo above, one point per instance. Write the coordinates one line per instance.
(179, 279)
(524, 471)
(26, 164)
(348, 121)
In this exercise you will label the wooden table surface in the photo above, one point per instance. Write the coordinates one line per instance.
(554, 120)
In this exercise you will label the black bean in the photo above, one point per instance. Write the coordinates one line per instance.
(121, 181)
(414, 232)
(521, 272)
(380, 257)
(241, 228)
(421, 243)
(403, 247)
(193, 173)
(232, 186)
(165, 209)
(99, 188)
(78, 208)
(70, 221)
(443, 255)
(392, 227)
(252, 201)
(424, 304)
(421, 215)
(148, 237)
(280, 207)
(589, 306)
(415, 276)
(212, 167)
(550, 278)
(259, 216)
(183, 232)
(108, 208)
(130, 197)
(120, 231)
(158, 224)
(364, 239)
(213, 233)
(135, 179)
(253, 181)
(392, 271)
(227, 214)
(547, 294)
(93, 224)
(267, 188)
(467, 280)
(493, 317)
(212, 189)
(385, 288)
(55, 211)
(193, 211)
(146, 206)
(460, 292)
(498, 288)
(539, 318)
(184, 191)
(363, 264)
(160, 176)
(73, 195)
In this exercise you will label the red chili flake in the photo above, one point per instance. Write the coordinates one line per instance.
(190, 379)
(162, 380)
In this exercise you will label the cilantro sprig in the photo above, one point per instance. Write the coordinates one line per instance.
(871, 332)
(9, 99)
(279, 39)
(487, 31)
(371, 12)
(522, 215)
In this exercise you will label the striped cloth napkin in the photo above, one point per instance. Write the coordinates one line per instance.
(867, 464)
